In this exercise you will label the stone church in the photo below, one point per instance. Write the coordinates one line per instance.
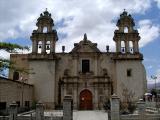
(87, 74)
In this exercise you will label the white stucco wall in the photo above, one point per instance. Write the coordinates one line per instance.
(43, 80)
(135, 83)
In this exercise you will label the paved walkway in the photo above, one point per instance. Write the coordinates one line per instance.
(90, 115)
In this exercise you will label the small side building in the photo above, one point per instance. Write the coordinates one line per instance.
(11, 90)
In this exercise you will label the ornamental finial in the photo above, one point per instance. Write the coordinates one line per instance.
(85, 37)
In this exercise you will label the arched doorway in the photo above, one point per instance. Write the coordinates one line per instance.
(86, 100)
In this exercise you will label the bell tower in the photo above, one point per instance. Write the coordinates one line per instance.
(126, 37)
(45, 37)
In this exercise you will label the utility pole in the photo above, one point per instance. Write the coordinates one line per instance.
(155, 78)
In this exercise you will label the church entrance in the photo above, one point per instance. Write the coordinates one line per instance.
(86, 100)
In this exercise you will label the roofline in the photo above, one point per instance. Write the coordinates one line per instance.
(4, 78)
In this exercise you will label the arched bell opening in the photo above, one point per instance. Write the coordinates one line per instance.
(48, 47)
(123, 50)
(39, 46)
(131, 47)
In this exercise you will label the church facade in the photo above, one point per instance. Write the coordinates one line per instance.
(87, 74)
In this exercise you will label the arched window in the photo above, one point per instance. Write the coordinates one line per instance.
(45, 30)
(40, 47)
(123, 47)
(130, 46)
(125, 29)
(16, 75)
(48, 46)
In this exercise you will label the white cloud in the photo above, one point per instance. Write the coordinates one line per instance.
(157, 75)
(148, 31)
(91, 17)
(4, 54)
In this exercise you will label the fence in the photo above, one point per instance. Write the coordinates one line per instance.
(144, 112)
(39, 113)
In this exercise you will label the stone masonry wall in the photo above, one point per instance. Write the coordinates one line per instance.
(12, 91)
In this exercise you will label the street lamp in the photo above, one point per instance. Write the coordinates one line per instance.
(155, 78)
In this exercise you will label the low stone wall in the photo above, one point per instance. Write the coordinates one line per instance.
(31, 118)
(39, 113)
(138, 117)
(141, 108)
(4, 118)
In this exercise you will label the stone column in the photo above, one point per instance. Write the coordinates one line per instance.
(75, 97)
(39, 111)
(96, 99)
(96, 66)
(39, 28)
(115, 110)
(127, 46)
(49, 28)
(13, 110)
(43, 46)
(121, 29)
(141, 110)
(118, 46)
(75, 65)
(52, 45)
(64, 90)
(67, 108)
(135, 47)
(130, 29)
(34, 46)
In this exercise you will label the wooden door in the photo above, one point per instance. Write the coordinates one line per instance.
(86, 100)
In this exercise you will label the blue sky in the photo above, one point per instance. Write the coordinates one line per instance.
(73, 18)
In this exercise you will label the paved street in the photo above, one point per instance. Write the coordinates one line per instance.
(90, 115)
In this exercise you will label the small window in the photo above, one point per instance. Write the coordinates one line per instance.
(129, 73)
(16, 75)
(2, 105)
(26, 103)
(85, 66)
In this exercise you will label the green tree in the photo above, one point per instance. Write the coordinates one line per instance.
(11, 48)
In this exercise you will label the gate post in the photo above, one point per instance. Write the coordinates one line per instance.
(39, 111)
(115, 107)
(13, 110)
(67, 108)
(141, 109)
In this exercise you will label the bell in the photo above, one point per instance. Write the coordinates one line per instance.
(48, 47)
(40, 46)
(123, 50)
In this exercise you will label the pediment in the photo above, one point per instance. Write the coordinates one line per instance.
(85, 46)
